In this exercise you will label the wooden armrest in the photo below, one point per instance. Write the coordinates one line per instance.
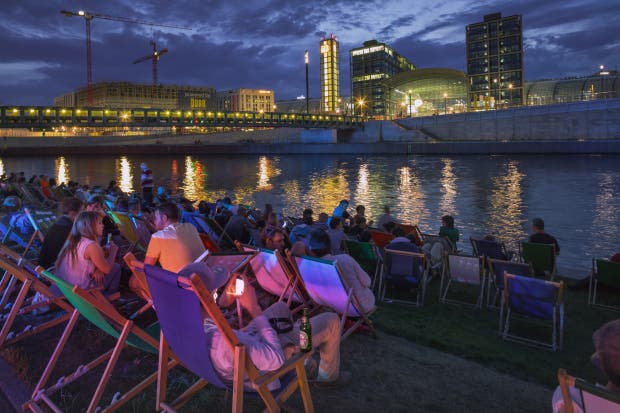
(289, 365)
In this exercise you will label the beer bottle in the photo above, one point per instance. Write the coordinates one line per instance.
(305, 333)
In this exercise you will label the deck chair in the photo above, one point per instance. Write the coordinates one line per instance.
(540, 256)
(606, 273)
(327, 287)
(413, 230)
(16, 272)
(405, 268)
(127, 227)
(448, 247)
(197, 221)
(224, 241)
(489, 249)
(593, 398)
(379, 240)
(33, 197)
(11, 236)
(93, 306)
(179, 304)
(364, 254)
(135, 266)
(537, 300)
(464, 270)
(495, 276)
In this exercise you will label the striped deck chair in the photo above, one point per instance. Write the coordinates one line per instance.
(463, 270)
(364, 254)
(593, 398)
(607, 274)
(16, 272)
(180, 304)
(536, 300)
(495, 277)
(489, 249)
(541, 257)
(405, 268)
(93, 306)
(327, 287)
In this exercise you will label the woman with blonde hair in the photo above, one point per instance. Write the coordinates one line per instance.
(83, 262)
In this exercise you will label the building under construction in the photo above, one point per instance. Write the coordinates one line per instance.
(125, 95)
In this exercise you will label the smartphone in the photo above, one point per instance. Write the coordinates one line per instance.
(239, 286)
(109, 239)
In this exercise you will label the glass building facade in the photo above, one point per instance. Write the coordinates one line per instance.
(371, 66)
(495, 62)
(426, 92)
(602, 85)
(330, 75)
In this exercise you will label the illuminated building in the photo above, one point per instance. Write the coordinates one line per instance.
(246, 100)
(371, 66)
(330, 75)
(299, 105)
(605, 84)
(125, 95)
(495, 62)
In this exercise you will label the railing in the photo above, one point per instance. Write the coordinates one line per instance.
(48, 117)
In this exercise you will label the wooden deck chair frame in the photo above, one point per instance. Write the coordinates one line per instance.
(31, 199)
(594, 398)
(127, 227)
(100, 312)
(380, 240)
(557, 321)
(243, 365)
(492, 281)
(447, 278)
(14, 273)
(422, 282)
(135, 265)
(352, 302)
(223, 236)
(523, 253)
(612, 278)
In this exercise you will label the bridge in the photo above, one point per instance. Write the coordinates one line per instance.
(47, 117)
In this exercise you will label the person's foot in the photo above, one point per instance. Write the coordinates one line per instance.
(343, 379)
(312, 368)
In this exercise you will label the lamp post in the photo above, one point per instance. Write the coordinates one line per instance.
(307, 60)
(409, 96)
(509, 94)
(496, 94)
(360, 102)
(445, 103)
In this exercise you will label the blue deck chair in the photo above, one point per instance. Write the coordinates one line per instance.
(490, 249)
(179, 304)
(464, 270)
(495, 278)
(607, 274)
(541, 257)
(327, 287)
(96, 308)
(537, 300)
(10, 236)
(593, 398)
(404, 268)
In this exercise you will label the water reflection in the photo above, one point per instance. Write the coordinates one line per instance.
(325, 191)
(62, 170)
(411, 197)
(266, 171)
(505, 202)
(362, 193)
(606, 215)
(2, 171)
(448, 188)
(124, 176)
(174, 178)
(194, 181)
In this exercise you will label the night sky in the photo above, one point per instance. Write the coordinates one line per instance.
(260, 43)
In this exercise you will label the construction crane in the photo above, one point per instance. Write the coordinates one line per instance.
(154, 56)
(88, 16)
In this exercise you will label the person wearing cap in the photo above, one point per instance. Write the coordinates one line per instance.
(606, 358)
(146, 182)
(272, 336)
(320, 246)
(541, 237)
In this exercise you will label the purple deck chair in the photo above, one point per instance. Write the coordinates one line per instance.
(270, 275)
(405, 268)
(181, 318)
(497, 268)
(534, 298)
(464, 270)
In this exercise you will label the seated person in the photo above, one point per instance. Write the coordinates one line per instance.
(399, 235)
(322, 222)
(401, 242)
(16, 218)
(359, 230)
(302, 231)
(267, 348)
(385, 218)
(274, 239)
(336, 235)
(59, 231)
(238, 226)
(540, 236)
(341, 212)
(357, 279)
(606, 358)
(447, 229)
(360, 211)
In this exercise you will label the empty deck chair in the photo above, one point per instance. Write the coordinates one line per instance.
(593, 398)
(327, 287)
(405, 269)
(537, 300)
(17, 272)
(93, 306)
(495, 277)
(464, 270)
(489, 249)
(541, 257)
(179, 304)
(607, 274)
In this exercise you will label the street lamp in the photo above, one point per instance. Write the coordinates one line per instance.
(509, 94)
(360, 102)
(409, 96)
(496, 95)
(307, 60)
(445, 103)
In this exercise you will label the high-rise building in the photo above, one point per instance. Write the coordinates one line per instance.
(371, 65)
(246, 100)
(330, 75)
(495, 62)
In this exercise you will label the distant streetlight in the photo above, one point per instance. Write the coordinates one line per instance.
(409, 96)
(496, 96)
(360, 103)
(509, 94)
(307, 60)
(445, 103)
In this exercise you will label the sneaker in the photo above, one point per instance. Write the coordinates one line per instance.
(343, 379)
(39, 299)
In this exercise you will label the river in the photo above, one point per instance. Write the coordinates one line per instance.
(577, 196)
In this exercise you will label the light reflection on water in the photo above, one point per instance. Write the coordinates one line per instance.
(578, 196)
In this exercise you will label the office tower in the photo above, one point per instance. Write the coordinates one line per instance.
(330, 75)
(495, 62)
(371, 66)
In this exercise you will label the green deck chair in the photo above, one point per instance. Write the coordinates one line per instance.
(93, 306)
(364, 254)
(540, 256)
(606, 273)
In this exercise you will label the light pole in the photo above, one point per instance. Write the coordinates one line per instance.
(360, 103)
(445, 103)
(509, 94)
(409, 96)
(496, 94)
(307, 60)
